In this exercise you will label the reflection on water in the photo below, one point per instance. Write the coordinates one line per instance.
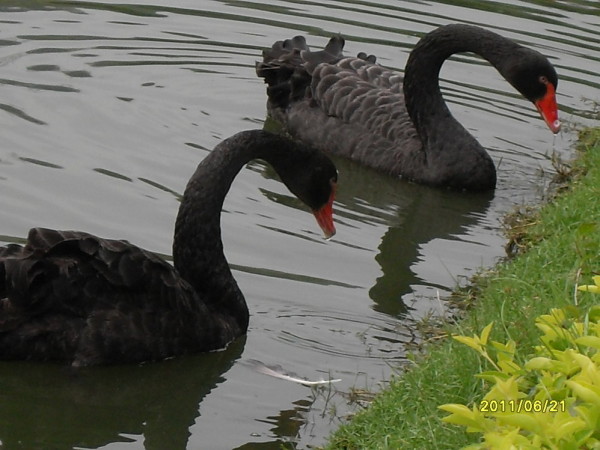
(49, 406)
(413, 215)
(107, 107)
(286, 424)
(432, 216)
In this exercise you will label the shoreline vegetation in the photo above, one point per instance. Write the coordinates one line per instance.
(557, 248)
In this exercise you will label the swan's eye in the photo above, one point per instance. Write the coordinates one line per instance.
(543, 79)
(333, 185)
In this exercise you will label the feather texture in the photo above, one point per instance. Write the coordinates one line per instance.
(353, 107)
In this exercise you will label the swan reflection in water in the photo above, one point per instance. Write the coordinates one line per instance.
(54, 406)
(412, 215)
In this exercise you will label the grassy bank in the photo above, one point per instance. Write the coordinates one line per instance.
(561, 244)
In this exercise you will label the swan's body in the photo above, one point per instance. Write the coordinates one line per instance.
(353, 107)
(74, 297)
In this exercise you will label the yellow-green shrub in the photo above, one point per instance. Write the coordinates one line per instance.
(551, 399)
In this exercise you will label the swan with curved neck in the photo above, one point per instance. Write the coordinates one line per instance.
(355, 108)
(74, 297)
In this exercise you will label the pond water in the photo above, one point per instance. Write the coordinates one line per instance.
(107, 107)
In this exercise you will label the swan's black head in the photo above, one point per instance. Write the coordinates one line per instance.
(314, 182)
(312, 177)
(535, 78)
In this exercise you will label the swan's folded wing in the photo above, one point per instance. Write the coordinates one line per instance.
(75, 273)
(349, 106)
(366, 95)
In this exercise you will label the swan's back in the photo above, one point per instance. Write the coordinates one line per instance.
(72, 296)
(355, 108)
(349, 106)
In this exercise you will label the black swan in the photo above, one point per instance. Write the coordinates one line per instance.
(73, 297)
(355, 108)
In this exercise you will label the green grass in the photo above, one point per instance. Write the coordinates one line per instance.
(561, 245)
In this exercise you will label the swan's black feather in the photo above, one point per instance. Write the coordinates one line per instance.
(71, 296)
(353, 107)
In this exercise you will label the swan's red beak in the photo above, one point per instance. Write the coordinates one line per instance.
(548, 109)
(324, 215)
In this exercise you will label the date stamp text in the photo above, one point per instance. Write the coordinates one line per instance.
(521, 406)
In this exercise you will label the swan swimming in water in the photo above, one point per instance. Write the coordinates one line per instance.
(73, 297)
(353, 107)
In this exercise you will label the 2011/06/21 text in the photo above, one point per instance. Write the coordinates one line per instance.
(521, 405)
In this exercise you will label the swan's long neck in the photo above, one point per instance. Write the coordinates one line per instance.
(442, 135)
(197, 247)
(421, 81)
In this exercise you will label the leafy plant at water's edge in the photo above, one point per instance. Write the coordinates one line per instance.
(549, 400)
